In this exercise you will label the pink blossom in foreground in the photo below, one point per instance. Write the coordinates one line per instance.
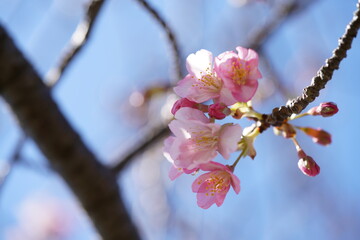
(239, 72)
(183, 102)
(218, 111)
(202, 83)
(197, 140)
(213, 186)
(308, 166)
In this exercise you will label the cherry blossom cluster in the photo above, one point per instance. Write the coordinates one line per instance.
(213, 89)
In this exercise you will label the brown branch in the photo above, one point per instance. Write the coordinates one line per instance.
(77, 42)
(40, 117)
(81, 35)
(170, 35)
(318, 82)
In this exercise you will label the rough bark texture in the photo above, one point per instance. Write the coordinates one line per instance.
(40, 117)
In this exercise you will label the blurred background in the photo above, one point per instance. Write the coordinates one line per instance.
(118, 90)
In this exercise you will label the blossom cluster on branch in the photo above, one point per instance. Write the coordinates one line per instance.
(214, 89)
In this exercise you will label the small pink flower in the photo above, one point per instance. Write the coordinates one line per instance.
(308, 166)
(218, 111)
(213, 186)
(183, 102)
(197, 140)
(202, 83)
(239, 72)
(326, 109)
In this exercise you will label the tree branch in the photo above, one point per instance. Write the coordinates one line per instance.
(170, 35)
(93, 184)
(318, 82)
(151, 138)
(77, 42)
(79, 39)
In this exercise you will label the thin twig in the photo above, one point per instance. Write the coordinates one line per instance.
(151, 139)
(170, 35)
(77, 42)
(262, 35)
(14, 158)
(318, 82)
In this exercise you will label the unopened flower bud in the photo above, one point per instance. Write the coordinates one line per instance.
(318, 135)
(218, 111)
(183, 102)
(326, 109)
(308, 166)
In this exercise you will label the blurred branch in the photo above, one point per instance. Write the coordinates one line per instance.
(40, 117)
(150, 139)
(14, 158)
(318, 82)
(77, 42)
(170, 35)
(258, 39)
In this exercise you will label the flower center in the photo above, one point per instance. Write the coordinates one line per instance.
(208, 81)
(239, 73)
(217, 183)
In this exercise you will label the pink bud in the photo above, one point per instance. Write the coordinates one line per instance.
(218, 111)
(318, 135)
(183, 102)
(308, 166)
(326, 109)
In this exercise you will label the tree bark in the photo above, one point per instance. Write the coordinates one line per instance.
(94, 185)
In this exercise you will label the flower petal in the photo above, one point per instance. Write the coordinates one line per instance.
(187, 114)
(199, 63)
(230, 135)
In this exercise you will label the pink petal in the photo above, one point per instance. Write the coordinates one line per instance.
(174, 172)
(205, 201)
(245, 92)
(229, 137)
(187, 114)
(226, 97)
(220, 197)
(199, 63)
(199, 181)
(242, 52)
(235, 183)
(185, 87)
(212, 166)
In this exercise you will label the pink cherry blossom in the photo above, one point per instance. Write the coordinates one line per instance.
(213, 186)
(239, 72)
(197, 140)
(202, 83)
